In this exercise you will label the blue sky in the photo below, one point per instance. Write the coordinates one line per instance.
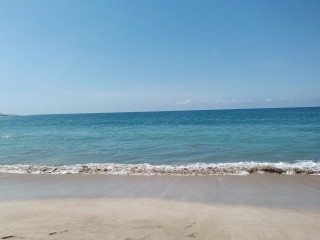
(109, 56)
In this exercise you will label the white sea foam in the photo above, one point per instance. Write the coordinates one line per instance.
(5, 136)
(239, 168)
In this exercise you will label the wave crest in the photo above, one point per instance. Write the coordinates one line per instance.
(239, 168)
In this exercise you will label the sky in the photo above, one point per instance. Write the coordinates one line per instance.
(156, 55)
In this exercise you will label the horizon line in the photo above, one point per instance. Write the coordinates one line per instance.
(191, 110)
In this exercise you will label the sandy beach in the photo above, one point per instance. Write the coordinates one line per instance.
(268, 206)
(156, 120)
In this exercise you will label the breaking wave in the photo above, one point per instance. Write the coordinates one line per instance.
(239, 168)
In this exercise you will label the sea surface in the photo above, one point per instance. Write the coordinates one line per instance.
(285, 140)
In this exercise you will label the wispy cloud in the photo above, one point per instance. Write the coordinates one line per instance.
(184, 102)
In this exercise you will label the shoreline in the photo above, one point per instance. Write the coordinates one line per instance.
(308, 167)
(264, 190)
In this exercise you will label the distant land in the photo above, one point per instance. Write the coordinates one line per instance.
(6, 115)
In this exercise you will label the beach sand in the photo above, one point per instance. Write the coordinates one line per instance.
(265, 206)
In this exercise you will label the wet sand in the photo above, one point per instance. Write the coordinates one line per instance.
(268, 206)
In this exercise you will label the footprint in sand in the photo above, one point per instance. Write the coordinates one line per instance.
(192, 235)
(189, 226)
(11, 236)
(53, 233)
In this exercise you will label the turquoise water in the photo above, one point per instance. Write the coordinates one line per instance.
(162, 138)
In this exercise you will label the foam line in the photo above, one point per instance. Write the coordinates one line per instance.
(238, 168)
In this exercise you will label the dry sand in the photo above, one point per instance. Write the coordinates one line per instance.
(151, 219)
(162, 208)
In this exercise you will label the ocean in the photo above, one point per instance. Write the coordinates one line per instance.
(282, 140)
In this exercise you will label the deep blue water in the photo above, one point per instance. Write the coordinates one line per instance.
(171, 138)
